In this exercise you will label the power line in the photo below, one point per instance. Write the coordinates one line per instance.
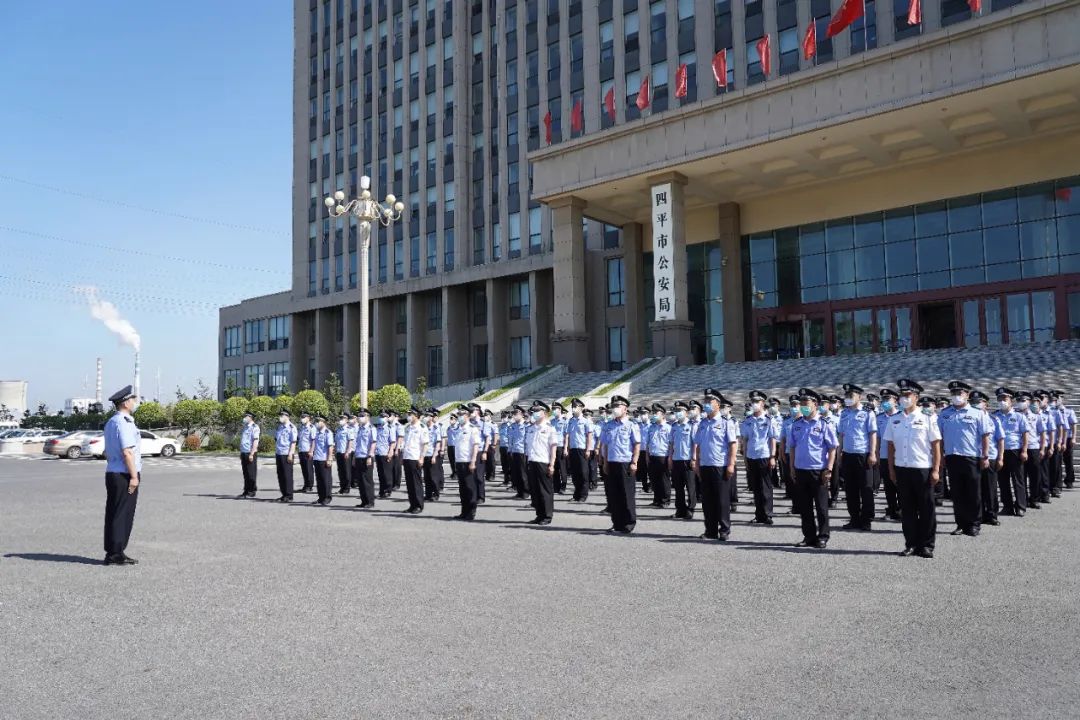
(111, 293)
(141, 208)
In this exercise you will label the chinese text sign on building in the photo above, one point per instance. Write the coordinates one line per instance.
(663, 252)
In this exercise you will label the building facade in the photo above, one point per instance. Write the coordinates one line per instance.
(907, 186)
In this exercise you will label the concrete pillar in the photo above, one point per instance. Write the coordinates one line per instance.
(633, 279)
(415, 331)
(673, 337)
(540, 291)
(382, 341)
(298, 351)
(324, 345)
(351, 348)
(569, 340)
(498, 349)
(456, 326)
(731, 278)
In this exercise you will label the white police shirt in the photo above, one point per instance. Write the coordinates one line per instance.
(468, 439)
(912, 435)
(416, 437)
(539, 439)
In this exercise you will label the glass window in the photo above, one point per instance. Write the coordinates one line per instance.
(869, 230)
(1018, 308)
(900, 258)
(870, 262)
(615, 287)
(992, 313)
(864, 331)
(519, 300)
(999, 208)
(966, 249)
(844, 332)
(971, 323)
(930, 219)
(616, 348)
(1042, 312)
(1074, 315)
(520, 353)
(933, 254)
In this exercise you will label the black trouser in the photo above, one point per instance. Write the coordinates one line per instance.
(364, 477)
(324, 479)
(988, 491)
(541, 485)
(1067, 457)
(892, 498)
(834, 479)
(504, 464)
(966, 478)
(414, 484)
(1044, 475)
(593, 468)
(466, 489)
(119, 511)
(432, 477)
(386, 480)
(759, 478)
(1055, 472)
(1011, 483)
(517, 474)
(642, 473)
(875, 475)
(621, 490)
(344, 471)
(250, 468)
(1033, 477)
(489, 465)
(716, 501)
(684, 480)
(284, 475)
(579, 473)
(450, 457)
(307, 469)
(660, 480)
(733, 485)
(396, 465)
(785, 474)
(917, 512)
(561, 471)
(481, 476)
(858, 487)
(812, 500)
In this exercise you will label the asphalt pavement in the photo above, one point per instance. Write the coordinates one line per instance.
(253, 609)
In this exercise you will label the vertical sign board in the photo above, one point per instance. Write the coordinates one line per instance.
(663, 252)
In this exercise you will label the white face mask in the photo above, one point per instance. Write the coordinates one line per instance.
(680, 415)
(618, 412)
(1003, 405)
(774, 410)
(849, 402)
(756, 407)
(284, 419)
(725, 411)
(248, 421)
(957, 400)
(905, 402)
(536, 417)
(341, 423)
(577, 412)
(1022, 405)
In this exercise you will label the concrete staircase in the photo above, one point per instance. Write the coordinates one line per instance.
(572, 385)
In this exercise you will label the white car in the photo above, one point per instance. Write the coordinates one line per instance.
(151, 444)
(41, 436)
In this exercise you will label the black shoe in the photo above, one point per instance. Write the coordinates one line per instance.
(283, 499)
(925, 553)
(705, 536)
(606, 510)
(126, 560)
(938, 503)
(243, 496)
(342, 492)
(519, 496)
(1056, 493)
(325, 502)
(114, 560)
(678, 516)
(415, 510)
(366, 505)
(958, 531)
(1034, 506)
(535, 521)
(434, 498)
(907, 552)
(851, 526)
(481, 501)
(544, 521)
(1018, 513)
(722, 537)
(991, 521)
(820, 544)
(971, 532)
(805, 543)
(866, 527)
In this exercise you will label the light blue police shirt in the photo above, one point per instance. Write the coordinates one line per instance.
(578, 430)
(659, 439)
(284, 437)
(1014, 427)
(323, 441)
(758, 431)
(812, 439)
(682, 440)
(962, 430)
(249, 438)
(882, 421)
(996, 436)
(362, 438)
(342, 436)
(857, 425)
(121, 433)
(517, 438)
(714, 437)
(305, 438)
(620, 437)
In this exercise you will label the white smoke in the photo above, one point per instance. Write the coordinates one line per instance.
(107, 313)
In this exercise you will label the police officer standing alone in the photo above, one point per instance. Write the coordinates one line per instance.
(759, 433)
(812, 453)
(249, 448)
(965, 434)
(322, 455)
(857, 433)
(123, 472)
(914, 460)
(304, 439)
(715, 448)
(285, 438)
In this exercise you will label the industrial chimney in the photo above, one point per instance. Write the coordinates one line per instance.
(137, 395)
(97, 393)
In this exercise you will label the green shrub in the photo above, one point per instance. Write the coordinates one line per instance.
(266, 443)
(192, 443)
(234, 443)
(390, 397)
(232, 411)
(309, 401)
(264, 407)
(216, 443)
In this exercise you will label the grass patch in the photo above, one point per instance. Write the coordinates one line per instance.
(625, 377)
(494, 394)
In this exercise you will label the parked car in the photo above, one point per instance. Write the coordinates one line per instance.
(11, 433)
(42, 436)
(70, 445)
(151, 444)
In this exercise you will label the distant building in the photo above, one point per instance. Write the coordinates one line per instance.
(78, 405)
(13, 397)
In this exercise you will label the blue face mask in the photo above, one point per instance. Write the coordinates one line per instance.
(804, 410)
(927, 411)
(887, 406)
(679, 415)
(379, 421)
(536, 417)
(656, 418)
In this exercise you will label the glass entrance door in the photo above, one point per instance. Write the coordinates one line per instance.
(790, 339)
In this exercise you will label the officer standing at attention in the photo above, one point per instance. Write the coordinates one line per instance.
(249, 448)
(1057, 411)
(642, 471)
(889, 398)
(123, 472)
(383, 440)
(831, 416)
(759, 435)
(857, 434)
(492, 435)
(453, 429)
(558, 422)
(398, 440)
(322, 455)
(658, 446)
(681, 463)
(812, 453)
(504, 443)
(1035, 432)
(1042, 407)
(590, 467)
(787, 473)
(621, 441)
(476, 418)
(914, 442)
(516, 446)
(414, 448)
(343, 448)
(1070, 429)
(965, 434)
(285, 438)
(1011, 463)
(354, 475)
(304, 439)
(772, 409)
(988, 489)
(541, 453)
(363, 469)
(466, 455)
(578, 444)
(870, 405)
(715, 448)
(433, 472)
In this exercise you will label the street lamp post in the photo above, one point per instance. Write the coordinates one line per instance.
(366, 211)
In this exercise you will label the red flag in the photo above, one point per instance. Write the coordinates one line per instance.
(914, 12)
(975, 5)
(1063, 194)
(764, 55)
(809, 43)
(609, 103)
(577, 118)
(547, 127)
(642, 101)
(680, 81)
(719, 68)
(848, 13)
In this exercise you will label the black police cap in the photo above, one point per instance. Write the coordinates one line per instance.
(756, 395)
(125, 393)
(959, 385)
(809, 394)
(906, 385)
(852, 388)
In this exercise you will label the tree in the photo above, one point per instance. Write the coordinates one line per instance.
(334, 394)
(42, 409)
(187, 414)
(5, 413)
(202, 390)
(150, 415)
(232, 411)
(283, 402)
(209, 413)
(180, 394)
(230, 388)
(263, 407)
(390, 397)
(310, 401)
(420, 396)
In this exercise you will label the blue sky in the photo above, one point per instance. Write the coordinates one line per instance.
(139, 112)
